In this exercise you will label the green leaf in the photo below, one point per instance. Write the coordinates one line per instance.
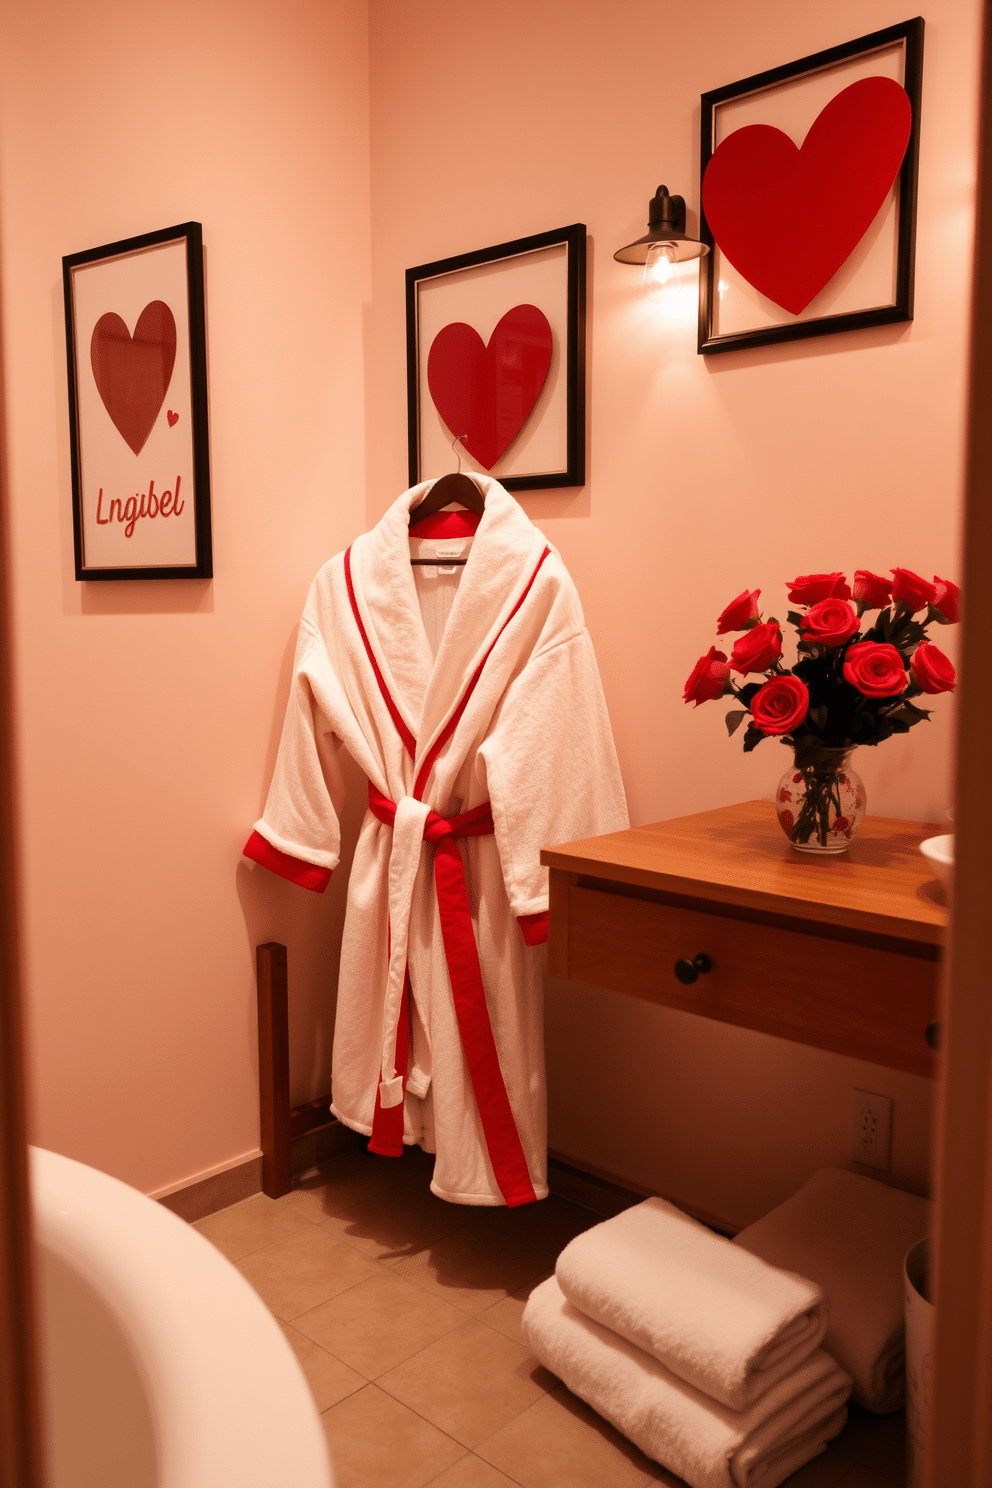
(819, 716)
(752, 738)
(734, 719)
(808, 751)
(794, 618)
(908, 635)
(907, 713)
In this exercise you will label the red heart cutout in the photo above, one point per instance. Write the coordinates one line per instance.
(486, 392)
(133, 374)
(787, 218)
(173, 418)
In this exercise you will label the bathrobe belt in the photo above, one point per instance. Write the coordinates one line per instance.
(414, 823)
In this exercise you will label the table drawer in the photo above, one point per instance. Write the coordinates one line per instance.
(861, 1000)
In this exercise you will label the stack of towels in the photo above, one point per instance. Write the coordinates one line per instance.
(700, 1352)
(850, 1235)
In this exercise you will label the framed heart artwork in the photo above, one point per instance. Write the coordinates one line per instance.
(808, 192)
(136, 350)
(496, 361)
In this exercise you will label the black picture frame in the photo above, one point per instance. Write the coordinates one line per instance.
(901, 309)
(89, 420)
(573, 355)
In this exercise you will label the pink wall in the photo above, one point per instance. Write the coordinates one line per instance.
(705, 474)
(149, 711)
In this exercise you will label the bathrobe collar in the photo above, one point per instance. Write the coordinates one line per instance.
(503, 555)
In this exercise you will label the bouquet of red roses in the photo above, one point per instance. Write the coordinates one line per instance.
(849, 686)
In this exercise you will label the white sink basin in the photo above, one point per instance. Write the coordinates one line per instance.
(939, 853)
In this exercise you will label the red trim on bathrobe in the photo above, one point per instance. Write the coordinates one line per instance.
(453, 721)
(306, 875)
(461, 952)
(469, 997)
(394, 712)
(534, 928)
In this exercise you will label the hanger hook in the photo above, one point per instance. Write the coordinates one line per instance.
(456, 440)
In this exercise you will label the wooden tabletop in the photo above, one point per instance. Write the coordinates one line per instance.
(740, 855)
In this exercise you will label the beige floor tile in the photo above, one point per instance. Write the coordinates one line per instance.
(415, 1167)
(328, 1378)
(472, 1472)
(376, 1442)
(398, 1222)
(248, 1226)
(561, 1443)
(376, 1325)
(831, 1470)
(339, 1184)
(473, 1268)
(547, 1226)
(470, 1383)
(296, 1274)
(876, 1442)
(505, 1314)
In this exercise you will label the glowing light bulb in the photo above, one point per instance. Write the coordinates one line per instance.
(662, 275)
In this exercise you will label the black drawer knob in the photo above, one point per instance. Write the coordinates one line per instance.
(932, 1035)
(687, 971)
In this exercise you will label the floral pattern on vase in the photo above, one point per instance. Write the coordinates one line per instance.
(820, 802)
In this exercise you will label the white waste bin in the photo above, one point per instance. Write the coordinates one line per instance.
(919, 1356)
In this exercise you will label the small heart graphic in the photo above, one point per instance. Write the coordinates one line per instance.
(173, 418)
(788, 218)
(486, 392)
(132, 374)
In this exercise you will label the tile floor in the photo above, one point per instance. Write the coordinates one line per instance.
(404, 1312)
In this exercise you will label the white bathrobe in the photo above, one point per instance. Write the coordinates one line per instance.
(472, 694)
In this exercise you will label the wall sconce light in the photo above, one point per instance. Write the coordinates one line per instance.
(663, 248)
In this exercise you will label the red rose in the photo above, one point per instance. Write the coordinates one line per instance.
(932, 669)
(739, 612)
(809, 589)
(708, 678)
(780, 705)
(875, 670)
(871, 590)
(756, 650)
(831, 622)
(948, 600)
(914, 592)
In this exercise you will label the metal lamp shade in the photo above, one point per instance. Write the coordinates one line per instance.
(666, 224)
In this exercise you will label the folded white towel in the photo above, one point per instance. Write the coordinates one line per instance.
(674, 1423)
(720, 1318)
(850, 1235)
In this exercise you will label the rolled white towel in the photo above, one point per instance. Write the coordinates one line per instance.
(720, 1318)
(674, 1423)
(850, 1234)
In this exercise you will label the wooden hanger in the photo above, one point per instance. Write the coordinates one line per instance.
(455, 486)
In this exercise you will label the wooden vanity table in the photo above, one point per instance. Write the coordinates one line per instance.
(840, 952)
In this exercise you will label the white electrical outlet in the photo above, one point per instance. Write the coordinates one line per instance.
(871, 1129)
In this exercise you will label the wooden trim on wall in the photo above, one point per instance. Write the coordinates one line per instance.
(20, 1424)
(961, 1453)
(219, 1191)
(203, 1196)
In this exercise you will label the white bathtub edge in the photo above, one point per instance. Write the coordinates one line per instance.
(231, 1403)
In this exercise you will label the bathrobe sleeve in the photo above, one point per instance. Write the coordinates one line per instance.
(551, 770)
(298, 835)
